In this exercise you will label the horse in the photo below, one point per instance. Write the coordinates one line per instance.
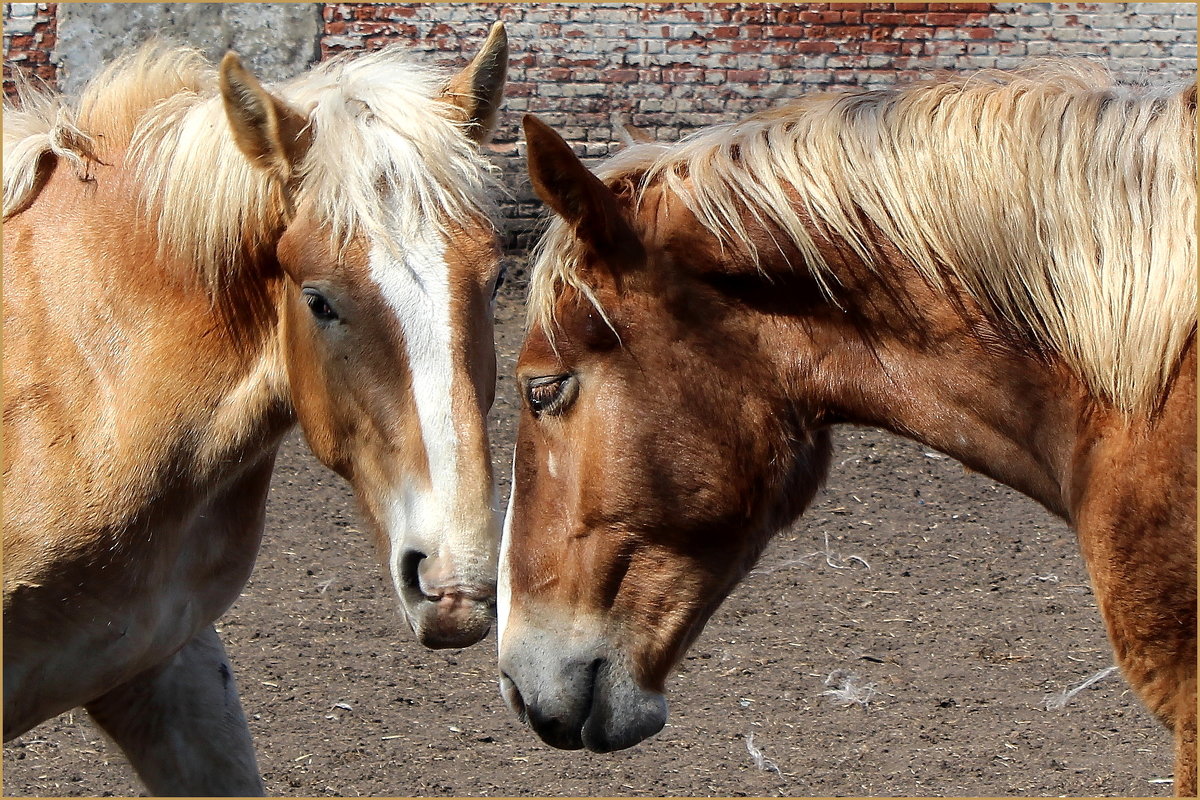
(999, 265)
(195, 262)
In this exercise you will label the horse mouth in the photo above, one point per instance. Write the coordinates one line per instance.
(444, 617)
(447, 623)
(607, 712)
(512, 697)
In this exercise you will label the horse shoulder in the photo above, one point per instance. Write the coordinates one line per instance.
(1134, 508)
(1141, 473)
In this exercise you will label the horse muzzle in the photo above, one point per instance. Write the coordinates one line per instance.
(444, 610)
(579, 700)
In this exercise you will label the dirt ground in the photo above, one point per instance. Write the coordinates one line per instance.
(954, 607)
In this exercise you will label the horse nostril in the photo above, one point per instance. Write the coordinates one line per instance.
(410, 564)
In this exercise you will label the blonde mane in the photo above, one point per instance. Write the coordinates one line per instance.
(378, 131)
(1061, 201)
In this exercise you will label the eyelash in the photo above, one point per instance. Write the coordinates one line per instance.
(319, 305)
(550, 394)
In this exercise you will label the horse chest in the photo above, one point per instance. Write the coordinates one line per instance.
(71, 637)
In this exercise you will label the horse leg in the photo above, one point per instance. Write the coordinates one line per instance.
(1155, 646)
(181, 725)
(1146, 588)
(1185, 743)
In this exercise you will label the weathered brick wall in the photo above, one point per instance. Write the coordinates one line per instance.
(30, 35)
(673, 67)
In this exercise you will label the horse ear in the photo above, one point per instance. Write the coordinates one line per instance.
(478, 90)
(267, 130)
(579, 197)
(631, 135)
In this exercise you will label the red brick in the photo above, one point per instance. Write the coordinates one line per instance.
(371, 27)
(750, 13)
(875, 18)
(946, 19)
(945, 48)
(880, 47)
(619, 76)
(577, 63)
(683, 75)
(849, 32)
(821, 16)
(815, 47)
(749, 46)
(747, 75)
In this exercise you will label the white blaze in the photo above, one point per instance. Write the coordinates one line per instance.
(417, 288)
(503, 584)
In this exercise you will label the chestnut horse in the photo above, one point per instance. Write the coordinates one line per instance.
(1000, 266)
(194, 263)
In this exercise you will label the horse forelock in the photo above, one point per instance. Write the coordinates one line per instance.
(381, 131)
(387, 156)
(1058, 198)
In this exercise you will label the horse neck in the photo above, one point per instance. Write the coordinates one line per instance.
(233, 393)
(256, 408)
(889, 350)
(895, 353)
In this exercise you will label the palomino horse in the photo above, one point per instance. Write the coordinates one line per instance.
(999, 266)
(192, 265)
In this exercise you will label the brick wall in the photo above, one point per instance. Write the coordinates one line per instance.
(30, 34)
(673, 67)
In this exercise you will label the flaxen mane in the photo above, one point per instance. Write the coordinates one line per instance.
(1060, 200)
(377, 126)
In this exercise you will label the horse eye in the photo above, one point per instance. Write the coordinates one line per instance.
(551, 394)
(318, 305)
